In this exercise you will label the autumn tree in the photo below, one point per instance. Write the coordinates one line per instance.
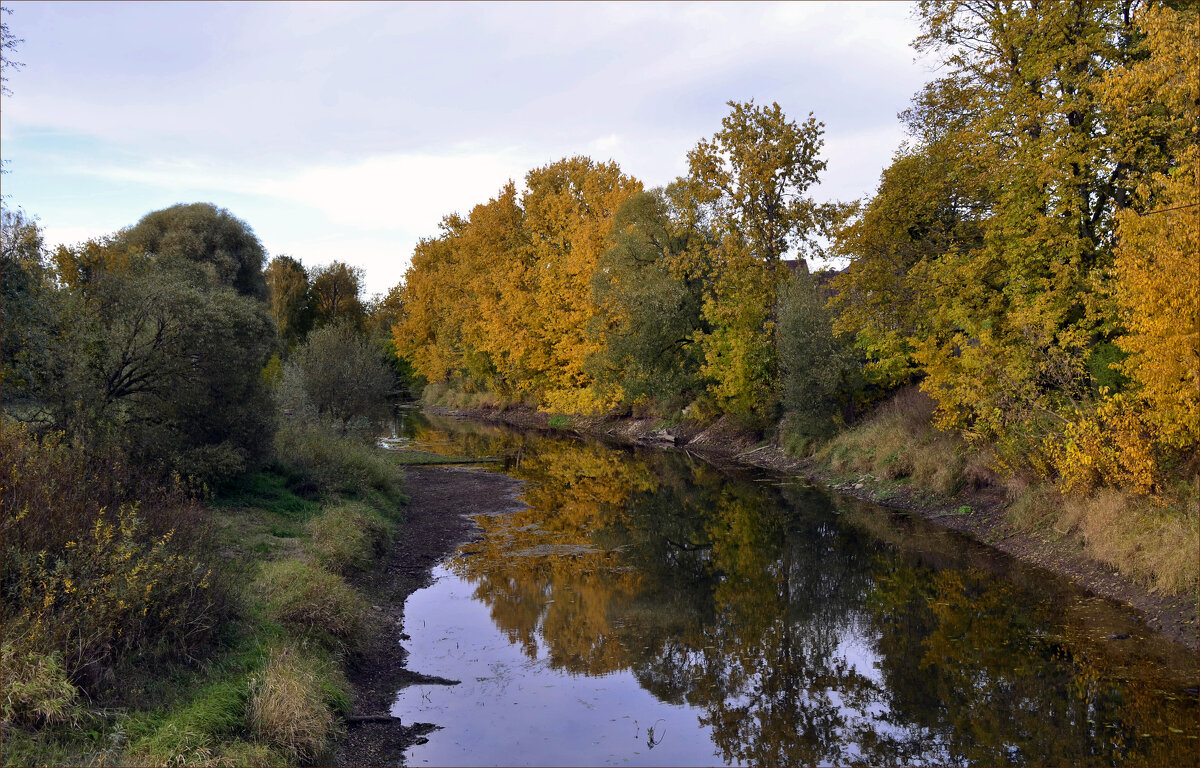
(1130, 434)
(569, 207)
(1159, 238)
(497, 269)
(751, 180)
(994, 229)
(429, 330)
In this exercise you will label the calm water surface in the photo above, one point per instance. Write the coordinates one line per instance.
(649, 609)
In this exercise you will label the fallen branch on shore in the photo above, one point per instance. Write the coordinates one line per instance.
(372, 719)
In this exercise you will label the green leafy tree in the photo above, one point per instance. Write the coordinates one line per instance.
(383, 314)
(336, 290)
(813, 364)
(171, 366)
(203, 234)
(929, 204)
(649, 303)
(26, 299)
(145, 349)
(751, 180)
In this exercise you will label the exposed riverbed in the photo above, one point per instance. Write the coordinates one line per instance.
(641, 607)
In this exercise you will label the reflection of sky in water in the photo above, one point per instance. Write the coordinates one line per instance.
(511, 710)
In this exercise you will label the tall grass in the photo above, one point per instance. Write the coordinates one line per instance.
(336, 464)
(1152, 541)
(899, 441)
(313, 600)
(294, 704)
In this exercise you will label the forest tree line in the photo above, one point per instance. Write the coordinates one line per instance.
(1029, 260)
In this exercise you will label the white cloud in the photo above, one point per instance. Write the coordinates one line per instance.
(403, 191)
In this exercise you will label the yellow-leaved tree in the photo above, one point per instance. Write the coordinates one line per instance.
(1123, 439)
(569, 208)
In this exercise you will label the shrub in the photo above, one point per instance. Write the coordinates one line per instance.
(52, 490)
(107, 595)
(292, 704)
(304, 595)
(1112, 446)
(337, 378)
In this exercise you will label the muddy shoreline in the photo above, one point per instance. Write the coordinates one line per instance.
(1174, 617)
(435, 522)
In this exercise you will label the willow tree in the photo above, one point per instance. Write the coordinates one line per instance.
(288, 298)
(202, 234)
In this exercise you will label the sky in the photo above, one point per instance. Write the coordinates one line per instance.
(342, 131)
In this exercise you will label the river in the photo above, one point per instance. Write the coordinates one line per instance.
(648, 608)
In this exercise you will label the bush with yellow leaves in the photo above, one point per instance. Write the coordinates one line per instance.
(1113, 446)
(109, 594)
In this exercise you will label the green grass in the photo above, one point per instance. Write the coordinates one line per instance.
(269, 490)
(348, 536)
(558, 421)
(312, 600)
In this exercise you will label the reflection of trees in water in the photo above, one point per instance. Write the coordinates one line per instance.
(969, 674)
(768, 671)
(804, 635)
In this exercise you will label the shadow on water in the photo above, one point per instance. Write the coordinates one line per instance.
(648, 608)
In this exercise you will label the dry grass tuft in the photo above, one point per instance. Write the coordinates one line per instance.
(1154, 544)
(36, 688)
(348, 536)
(290, 707)
(304, 595)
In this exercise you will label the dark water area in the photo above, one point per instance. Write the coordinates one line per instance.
(650, 609)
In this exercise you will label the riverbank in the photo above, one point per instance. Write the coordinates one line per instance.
(981, 510)
(435, 522)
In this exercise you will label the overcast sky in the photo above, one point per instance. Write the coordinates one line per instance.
(346, 131)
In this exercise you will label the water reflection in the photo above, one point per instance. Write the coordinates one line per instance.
(802, 632)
